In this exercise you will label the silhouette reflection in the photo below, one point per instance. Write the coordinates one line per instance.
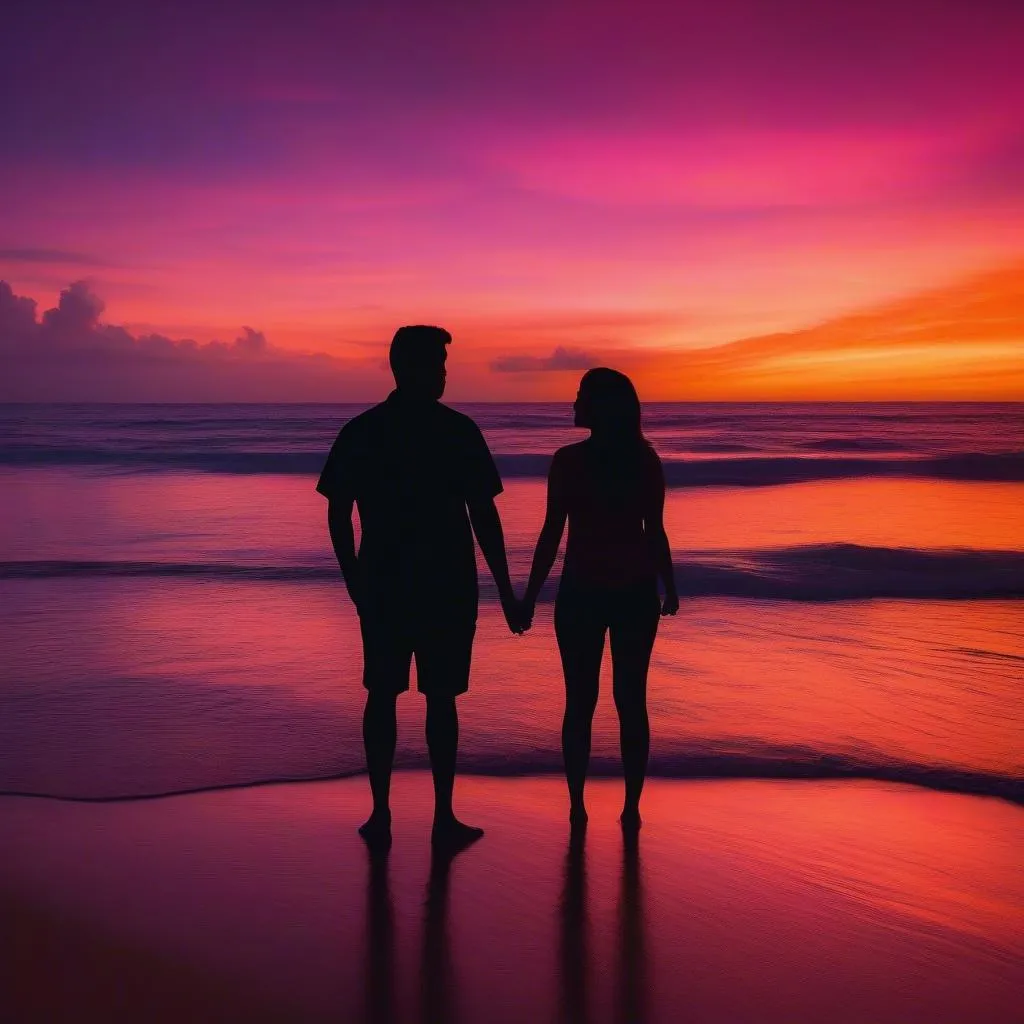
(577, 975)
(574, 974)
(579, 1002)
(631, 996)
(379, 1002)
(437, 975)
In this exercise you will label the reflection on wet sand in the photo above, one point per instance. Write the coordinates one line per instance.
(576, 973)
(631, 996)
(379, 1002)
(438, 1004)
(749, 902)
(574, 934)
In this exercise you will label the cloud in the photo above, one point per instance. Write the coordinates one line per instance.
(76, 316)
(17, 314)
(251, 341)
(561, 359)
(963, 341)
(69, 354)
(50, 256)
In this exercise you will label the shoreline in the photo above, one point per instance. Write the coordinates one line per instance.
(817, 768)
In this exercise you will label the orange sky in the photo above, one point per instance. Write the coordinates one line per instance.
(962, 341)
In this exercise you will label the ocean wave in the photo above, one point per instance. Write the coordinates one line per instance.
(849, 444)
(765, 471)
(743, 471)
(716, 447)
(71, 569)
(757, 761)
(817, 572)
(842, 572)
(230, 461)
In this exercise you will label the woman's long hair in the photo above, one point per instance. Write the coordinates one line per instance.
(610, 407)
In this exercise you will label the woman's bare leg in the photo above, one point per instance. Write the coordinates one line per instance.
(631, 644)
(581, 646)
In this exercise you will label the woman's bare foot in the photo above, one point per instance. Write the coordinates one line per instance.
(376, 830)
(630, 819)
(578, 816)
(453, 835)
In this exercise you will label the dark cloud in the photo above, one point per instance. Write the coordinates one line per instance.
(69, 354)
(75, 317)
(50, 256)
(251, 341)
(17, 314)
(561, 359)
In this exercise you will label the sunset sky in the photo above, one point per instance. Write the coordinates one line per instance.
(837, 188)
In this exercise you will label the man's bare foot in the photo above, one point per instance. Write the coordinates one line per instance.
(452, 835)
(630, 819)
(578, 816)
(376, 830)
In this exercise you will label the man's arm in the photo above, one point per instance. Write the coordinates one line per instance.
(339, 522)
(483, 514)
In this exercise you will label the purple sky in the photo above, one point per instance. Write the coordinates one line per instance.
(584, 176)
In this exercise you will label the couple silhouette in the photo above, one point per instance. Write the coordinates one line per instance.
(423, 482)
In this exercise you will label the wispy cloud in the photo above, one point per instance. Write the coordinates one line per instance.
(561, 359)
(51, 256)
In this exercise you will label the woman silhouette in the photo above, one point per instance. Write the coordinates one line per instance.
(611, 488)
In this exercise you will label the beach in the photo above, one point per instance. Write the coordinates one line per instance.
(741, 901)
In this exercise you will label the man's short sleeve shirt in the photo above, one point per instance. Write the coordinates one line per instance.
(411, 467)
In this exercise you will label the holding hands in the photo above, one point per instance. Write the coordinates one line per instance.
(518, 614)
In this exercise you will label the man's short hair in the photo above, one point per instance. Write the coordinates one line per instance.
(416, 345)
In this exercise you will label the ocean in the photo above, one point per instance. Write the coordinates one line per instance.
(852, 579)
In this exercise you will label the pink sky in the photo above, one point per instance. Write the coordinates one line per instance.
(600, 177)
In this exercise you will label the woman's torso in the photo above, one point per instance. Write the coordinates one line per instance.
(608, 496)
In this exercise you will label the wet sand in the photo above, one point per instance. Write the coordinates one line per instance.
(741, 901)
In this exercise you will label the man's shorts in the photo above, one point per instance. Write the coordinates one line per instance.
(443, 651)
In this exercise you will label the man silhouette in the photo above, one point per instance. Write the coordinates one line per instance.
(414, 468)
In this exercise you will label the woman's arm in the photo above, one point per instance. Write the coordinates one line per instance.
(654, 528)
(550, 536)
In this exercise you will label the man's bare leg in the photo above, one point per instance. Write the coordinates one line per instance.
(380, 733)
(443, 744)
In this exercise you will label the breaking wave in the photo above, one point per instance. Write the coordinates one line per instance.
(757, 761)
(741, 471)
(819, 572)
